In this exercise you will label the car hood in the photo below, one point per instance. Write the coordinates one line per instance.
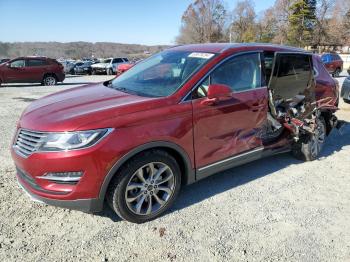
(101, 65)
(75, 108)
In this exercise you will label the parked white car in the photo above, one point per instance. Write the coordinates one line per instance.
(108, 66)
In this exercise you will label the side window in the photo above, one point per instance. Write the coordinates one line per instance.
(268, 65)
(240, 73)
(117, 60)
(36, 62)
(17, 63)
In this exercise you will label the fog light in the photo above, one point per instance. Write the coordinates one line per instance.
(65, 177)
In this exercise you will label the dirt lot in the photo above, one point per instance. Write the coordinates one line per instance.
(277, 208)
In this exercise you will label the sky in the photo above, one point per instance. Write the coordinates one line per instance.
(149, 22)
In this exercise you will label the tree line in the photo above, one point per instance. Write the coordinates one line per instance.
(76, 50)
(293, 22)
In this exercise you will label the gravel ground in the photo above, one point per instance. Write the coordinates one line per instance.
(276, 208)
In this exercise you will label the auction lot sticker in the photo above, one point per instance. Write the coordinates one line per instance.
(201, 55)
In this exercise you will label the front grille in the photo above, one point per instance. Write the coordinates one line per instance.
(27, 141)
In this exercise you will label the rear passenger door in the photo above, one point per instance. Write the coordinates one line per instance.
(293, 75)
(233, 127)
(36, 69)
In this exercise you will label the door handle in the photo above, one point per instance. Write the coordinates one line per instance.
(209, 101)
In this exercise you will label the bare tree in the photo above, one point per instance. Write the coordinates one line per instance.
(282, 13)
(202, 22)
(242, 28)
(324, 10)
(266, 26)
(336, 24)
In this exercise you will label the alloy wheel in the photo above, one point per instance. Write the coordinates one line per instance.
(50, 81)
(318, 139)
(150, 188)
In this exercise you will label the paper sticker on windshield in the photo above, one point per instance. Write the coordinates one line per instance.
(201, 55)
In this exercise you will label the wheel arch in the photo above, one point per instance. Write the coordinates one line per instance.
(187, 172)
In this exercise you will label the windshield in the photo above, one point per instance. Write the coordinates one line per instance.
(106, 61)
(162, 74)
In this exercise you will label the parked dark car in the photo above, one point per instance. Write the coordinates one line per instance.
(84, 68)
(173, 119)
(4, 60)
(345, 90)
(68, 65)
(42, 70)
(333, 63)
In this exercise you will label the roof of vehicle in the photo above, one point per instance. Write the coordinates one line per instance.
(33, 57)
(222, 47)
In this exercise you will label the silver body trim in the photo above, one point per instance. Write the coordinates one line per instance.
(231, 158)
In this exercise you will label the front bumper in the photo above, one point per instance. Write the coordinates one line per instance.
(100, 69)
(93, 162)
(85, 205)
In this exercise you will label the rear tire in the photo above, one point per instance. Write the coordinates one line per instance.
(145, 187)
(309, 146)
(109, 71)
(49, 80)
(93, 72)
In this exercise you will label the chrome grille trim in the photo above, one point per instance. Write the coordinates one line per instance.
(27, 142)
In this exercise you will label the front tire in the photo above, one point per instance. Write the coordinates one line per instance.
(109, 71)
(145, 187)
(345, 100)
(49, 80)
(310, 146)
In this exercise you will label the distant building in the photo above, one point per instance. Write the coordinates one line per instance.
(341, 49)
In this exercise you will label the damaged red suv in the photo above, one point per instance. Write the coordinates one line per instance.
(173, 119)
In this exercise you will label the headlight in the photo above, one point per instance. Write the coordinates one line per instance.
(73, 140)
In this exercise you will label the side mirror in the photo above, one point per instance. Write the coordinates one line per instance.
(217, 93)
(8, 64)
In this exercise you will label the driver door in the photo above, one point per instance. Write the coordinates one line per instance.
(16, 72)
(232, 127)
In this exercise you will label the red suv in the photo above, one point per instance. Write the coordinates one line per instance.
(42, 70)
(173, 119)
(333, 63)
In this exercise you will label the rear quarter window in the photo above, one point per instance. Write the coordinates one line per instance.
(117, 60)
(322, 73)
(36, 62)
